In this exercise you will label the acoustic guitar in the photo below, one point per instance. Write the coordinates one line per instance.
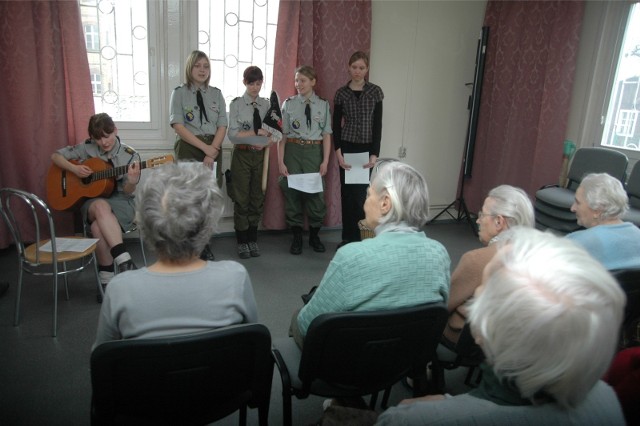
(65, 190)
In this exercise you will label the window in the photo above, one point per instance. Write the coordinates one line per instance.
(621, 126)
(96, 83)
(248, 38)
(91, 37)
(136, 51)
(118, 33)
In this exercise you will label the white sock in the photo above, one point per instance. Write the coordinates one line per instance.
(122, 258)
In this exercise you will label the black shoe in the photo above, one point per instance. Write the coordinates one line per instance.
(126, 266)
(207, 254)
(243, 251)
(296, 244)
(254, 250)
(316, 244)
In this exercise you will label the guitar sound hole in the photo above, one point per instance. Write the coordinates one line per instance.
(87, 180)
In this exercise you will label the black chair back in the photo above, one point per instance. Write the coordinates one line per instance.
(189, 379)
(553, 204)
(633, 191)
(629, 280)
(360, 353)
(596, 160)
(370, 351)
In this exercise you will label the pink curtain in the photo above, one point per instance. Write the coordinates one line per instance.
(323, 34)
(46, 97)
(529, 70)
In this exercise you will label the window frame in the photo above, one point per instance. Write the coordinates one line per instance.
(595, 72)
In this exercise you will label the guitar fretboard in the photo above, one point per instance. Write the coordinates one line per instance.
(113, 172)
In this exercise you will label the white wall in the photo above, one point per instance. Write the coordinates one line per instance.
(422, 54)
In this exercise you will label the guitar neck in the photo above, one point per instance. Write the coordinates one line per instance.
(115, 171)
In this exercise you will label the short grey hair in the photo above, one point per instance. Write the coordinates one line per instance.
(547, 317)
(408, 191)
(605, 194)
(513, 204)
(177, 209)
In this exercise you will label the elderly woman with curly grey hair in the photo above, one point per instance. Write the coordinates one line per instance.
(547, 318)
(505, 207)
(600, 202)
(177, 211)
(399, 267)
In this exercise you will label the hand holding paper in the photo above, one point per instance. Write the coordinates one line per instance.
(357, 173)
(306, 182)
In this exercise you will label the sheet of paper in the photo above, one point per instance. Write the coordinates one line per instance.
(306, 182)
(357, 174)
(250, 140)
(70, 244)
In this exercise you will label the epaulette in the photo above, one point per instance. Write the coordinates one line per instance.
(322, 99)
(236, 98)
(178, 87)
(88, 141)
(291, 97)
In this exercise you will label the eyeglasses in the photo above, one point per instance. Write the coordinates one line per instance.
(482, 214)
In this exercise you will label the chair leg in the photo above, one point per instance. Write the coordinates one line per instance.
(263, 414)
(374, 400)
(385, 398)
(16, 318)
(55, 301)
(97, 274)
(437, 375)
(243, 415)
(286, 409)
(66, 281)
(144, 256)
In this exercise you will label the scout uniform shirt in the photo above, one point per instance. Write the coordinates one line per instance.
(294, 121)
(185, 111)
(241, 114)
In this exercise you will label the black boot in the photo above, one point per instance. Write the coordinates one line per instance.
(314, 240)
(252, 236)
(296, 244)
(243, 246)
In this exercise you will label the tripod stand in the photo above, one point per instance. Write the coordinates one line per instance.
(462, 211)
(473, 107)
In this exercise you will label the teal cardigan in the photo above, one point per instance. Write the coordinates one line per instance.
(392, 270)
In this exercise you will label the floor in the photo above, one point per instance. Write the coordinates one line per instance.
(45, 380)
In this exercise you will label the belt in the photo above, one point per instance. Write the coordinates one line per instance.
(246, 147)
(206, 138)
(303, 141)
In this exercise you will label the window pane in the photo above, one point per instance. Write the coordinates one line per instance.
(621, 126)
(248, 38)
(118, 53)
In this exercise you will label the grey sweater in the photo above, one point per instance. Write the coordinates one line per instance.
(143, 304)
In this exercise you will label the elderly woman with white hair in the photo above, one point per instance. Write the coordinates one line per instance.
(547, 318)
(600, 202)
(399, 267)
(177, 211)
(505, 207)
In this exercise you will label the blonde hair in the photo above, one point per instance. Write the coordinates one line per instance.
(194, 57)
(308, 71)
